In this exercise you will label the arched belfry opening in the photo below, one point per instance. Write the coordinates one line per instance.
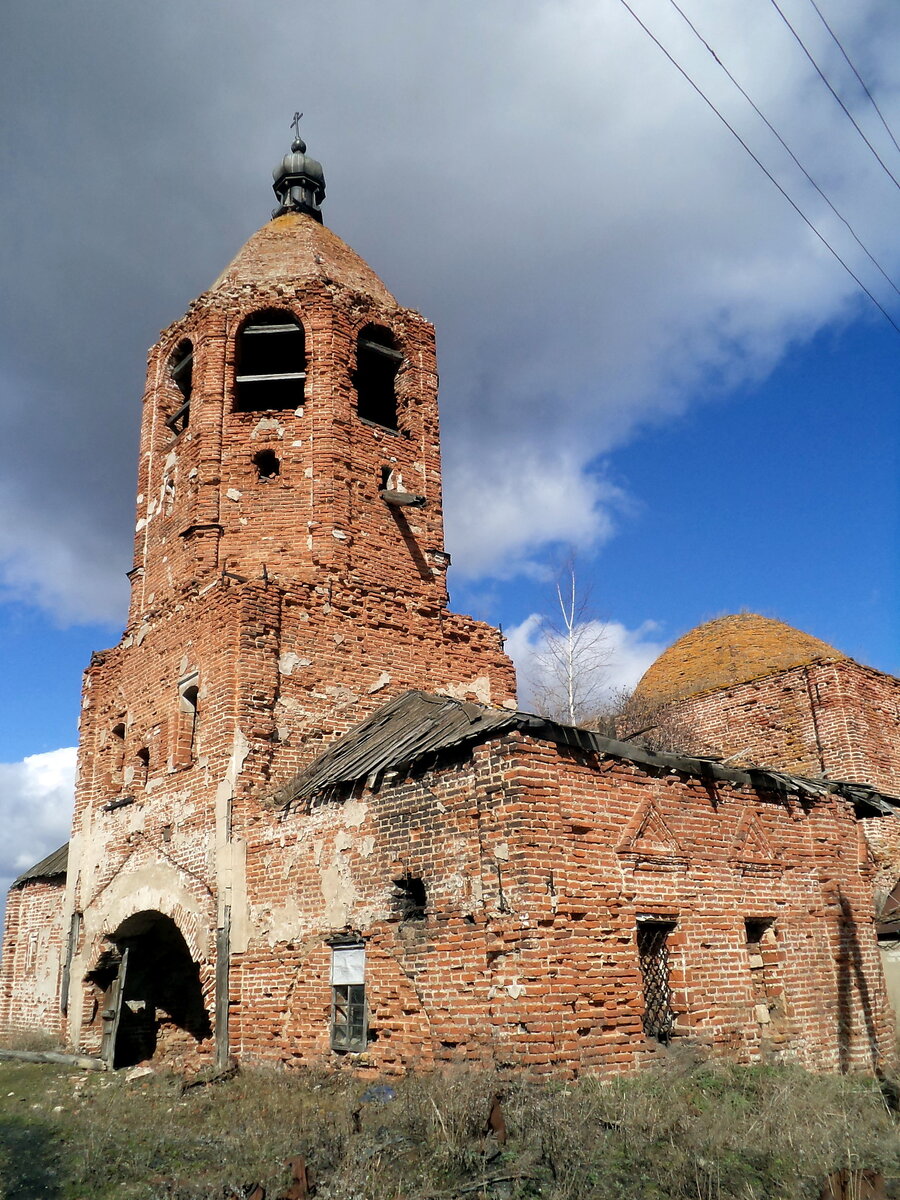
(271, 363)
(181, 372)
(377, 362)
(152, 997)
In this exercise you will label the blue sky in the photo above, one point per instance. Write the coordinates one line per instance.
(781, 497)
(646, 357)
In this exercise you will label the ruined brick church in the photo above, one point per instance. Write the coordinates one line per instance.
(312, 827)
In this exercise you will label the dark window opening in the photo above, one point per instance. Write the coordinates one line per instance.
(188, 725)
(116, 756)
(653, 957)
(410, 898)
(377, 362)
(142, 773)
(268, 465)
(756, 929)
(271, 363)
(181, 370)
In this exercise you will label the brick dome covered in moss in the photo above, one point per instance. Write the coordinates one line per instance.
(727, 651)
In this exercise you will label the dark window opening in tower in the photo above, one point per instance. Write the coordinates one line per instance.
(268, 465)
(181, 371)
(410, 898)
(117, 756)
(271, 363)
(188, 722)
(758, 930)
(142, 766)
(377, 362)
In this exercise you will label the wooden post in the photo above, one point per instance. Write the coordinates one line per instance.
(223, 964)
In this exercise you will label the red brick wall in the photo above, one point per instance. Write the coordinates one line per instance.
(33, 948)
(836, 718)
(537, 873)
(322, 513)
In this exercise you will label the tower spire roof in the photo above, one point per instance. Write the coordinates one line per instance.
(299, 179)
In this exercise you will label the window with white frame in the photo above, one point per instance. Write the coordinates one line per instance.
(349, 1028)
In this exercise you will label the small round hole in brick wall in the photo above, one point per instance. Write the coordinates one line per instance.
(268, 465)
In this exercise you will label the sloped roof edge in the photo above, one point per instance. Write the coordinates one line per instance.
(416, 725)
(51, 867)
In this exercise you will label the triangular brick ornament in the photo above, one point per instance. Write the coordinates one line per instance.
(648, 834)
(751, 844)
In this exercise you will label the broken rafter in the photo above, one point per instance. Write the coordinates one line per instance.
(417, 726)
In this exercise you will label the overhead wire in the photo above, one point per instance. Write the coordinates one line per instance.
(794, 157)
(824, 79)
(862, 82)
(799, 211)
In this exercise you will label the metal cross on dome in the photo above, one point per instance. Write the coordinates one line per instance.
(295, 124)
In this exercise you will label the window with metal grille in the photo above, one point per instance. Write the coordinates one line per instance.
(349, 1026)
(377, 363)
(653, 957)
(271, 363)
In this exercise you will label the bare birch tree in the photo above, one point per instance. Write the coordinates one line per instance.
(570, 678)
(573, 651)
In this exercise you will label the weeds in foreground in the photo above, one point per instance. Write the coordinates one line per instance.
(686, 1130)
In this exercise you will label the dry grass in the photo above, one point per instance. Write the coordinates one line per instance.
(690, 1129)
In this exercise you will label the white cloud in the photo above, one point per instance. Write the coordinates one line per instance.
(615, 656)
(36, 800)
(512, 507)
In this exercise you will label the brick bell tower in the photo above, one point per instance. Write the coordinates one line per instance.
(289, 577)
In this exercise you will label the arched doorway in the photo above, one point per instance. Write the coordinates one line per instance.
(151, 985)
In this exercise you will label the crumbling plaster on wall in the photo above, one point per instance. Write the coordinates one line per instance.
(477, 688)
(231, 851)
(301, 853)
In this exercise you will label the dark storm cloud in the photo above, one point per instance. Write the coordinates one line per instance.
(534, 177)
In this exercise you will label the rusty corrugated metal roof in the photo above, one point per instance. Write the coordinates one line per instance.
(51, 867)
(416, 725)
(406, 729)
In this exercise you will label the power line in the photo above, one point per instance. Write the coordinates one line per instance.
(773, 130)
(850, 115)
(764, 169)
(862, 82)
